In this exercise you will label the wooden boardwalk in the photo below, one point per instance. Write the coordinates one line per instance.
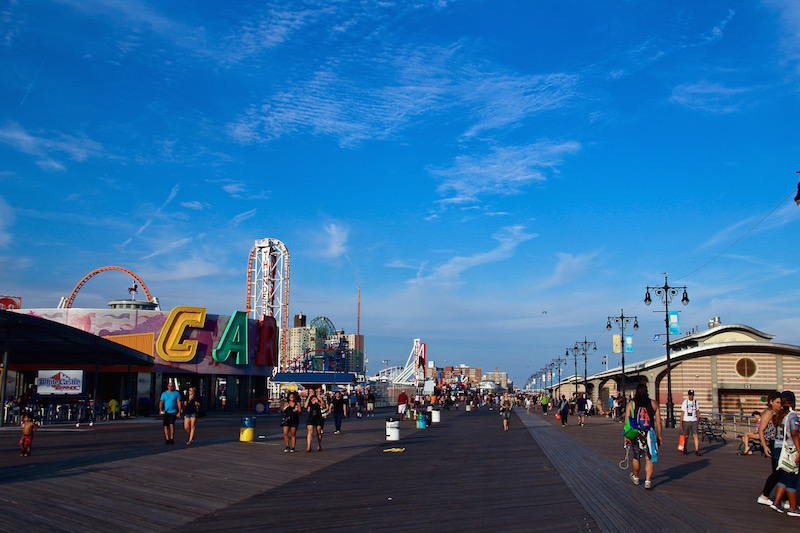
(463, 474)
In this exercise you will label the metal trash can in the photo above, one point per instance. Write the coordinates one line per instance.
(421, 421)
(392, 429)
(436, 416)
(247, 430)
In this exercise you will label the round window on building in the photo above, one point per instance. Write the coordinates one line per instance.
(746, 367)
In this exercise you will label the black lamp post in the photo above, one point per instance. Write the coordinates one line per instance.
(584, 347)
(575, 359)
(665, 294)
(622, 321)
(557, 362)
(797, 198)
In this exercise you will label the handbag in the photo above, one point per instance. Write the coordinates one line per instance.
(631, 429)
(324, 412)
(681, 443)
(558, 416)
(787, 461)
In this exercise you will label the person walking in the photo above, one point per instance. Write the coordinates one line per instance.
(505, 410)
(314, 422)
(766, 433)
(563, 410)
(170, 408)
(788, 436)
(688, 427)
(402, 404)
(545, 400)
(648, 419)
(339, 411)
(290, 421)
(190, 410)
(581, 407)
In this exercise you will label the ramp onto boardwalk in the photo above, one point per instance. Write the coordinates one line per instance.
(605, 490)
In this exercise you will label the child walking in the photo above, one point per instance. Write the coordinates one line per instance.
(28, 428)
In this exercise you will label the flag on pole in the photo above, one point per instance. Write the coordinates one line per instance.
(628, 343)
(617, 343)
(603, 360)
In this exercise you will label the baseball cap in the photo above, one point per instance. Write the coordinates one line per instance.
(691, 392)
(787, 395)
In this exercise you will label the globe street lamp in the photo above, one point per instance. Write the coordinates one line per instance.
(584, 347)
(665, 294)
(622, 321)
(575, 359)
(557, 362)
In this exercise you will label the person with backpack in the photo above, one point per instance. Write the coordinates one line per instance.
(646, 417)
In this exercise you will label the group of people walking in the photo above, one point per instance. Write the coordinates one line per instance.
(779, 433)
(172, 406)
(318, 407)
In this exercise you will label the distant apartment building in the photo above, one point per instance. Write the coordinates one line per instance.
(500, 378)
(318, 347)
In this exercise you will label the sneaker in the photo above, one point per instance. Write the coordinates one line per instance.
(763, 500)
(336, 432)
(794, 513)
(634, 479)
(785, 505)
(292, 450)
(698, 454)
(776, 508)
(647, 485)
(286, 450)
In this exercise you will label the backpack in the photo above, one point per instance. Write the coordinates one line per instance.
(644, 418)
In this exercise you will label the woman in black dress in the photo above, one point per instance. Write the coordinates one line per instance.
(315, 421)
(190, 409)
(290, 421)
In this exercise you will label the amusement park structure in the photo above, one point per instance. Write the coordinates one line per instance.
(414, 370)
(268, 287)
(66, 303)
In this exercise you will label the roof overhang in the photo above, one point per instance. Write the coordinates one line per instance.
(31, 340)
(315, 378)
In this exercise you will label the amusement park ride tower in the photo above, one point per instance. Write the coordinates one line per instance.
(268, 288)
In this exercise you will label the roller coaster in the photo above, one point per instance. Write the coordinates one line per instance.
(66, 303)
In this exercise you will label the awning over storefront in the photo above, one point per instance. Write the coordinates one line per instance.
(315, 378)
(30, 340)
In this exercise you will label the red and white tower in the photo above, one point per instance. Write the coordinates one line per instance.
(268, 287)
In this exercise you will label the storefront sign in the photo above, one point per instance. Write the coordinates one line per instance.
(173, 346)
(59, 382)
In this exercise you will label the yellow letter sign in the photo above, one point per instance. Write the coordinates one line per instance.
(169, 345)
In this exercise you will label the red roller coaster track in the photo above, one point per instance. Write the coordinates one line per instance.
(93, 273)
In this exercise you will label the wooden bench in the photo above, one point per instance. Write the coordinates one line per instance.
(712, 430)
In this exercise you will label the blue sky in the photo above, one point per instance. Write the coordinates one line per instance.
(498, 177)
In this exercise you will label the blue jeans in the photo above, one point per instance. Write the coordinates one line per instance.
(337, 419)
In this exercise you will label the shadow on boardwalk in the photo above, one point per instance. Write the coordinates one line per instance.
(463, 474)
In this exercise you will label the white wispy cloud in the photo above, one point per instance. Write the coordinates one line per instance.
(336, 240)
(241, 217)
(6, 220)
(568, 268)
(172, 194)
(503, 171)
(48, 148)
(448, 274)
(171, 246)
(711, 97)
(789, 20)
(195, 205)
(356, 95)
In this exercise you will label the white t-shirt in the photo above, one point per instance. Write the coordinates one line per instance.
(689, 408)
